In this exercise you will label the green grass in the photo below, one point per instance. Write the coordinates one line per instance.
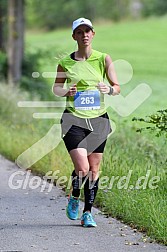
(143, 44)
(143, 208)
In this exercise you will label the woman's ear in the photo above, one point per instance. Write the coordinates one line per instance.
(73, 36)
(93, 33)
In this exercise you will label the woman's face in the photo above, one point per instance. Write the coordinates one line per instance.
(83, 35)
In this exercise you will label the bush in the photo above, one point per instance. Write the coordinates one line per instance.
(31, 62)
(36, 86)
(3, 66)
(154, 7)
(158, 120)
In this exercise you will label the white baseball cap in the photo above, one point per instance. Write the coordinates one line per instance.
(81, 21)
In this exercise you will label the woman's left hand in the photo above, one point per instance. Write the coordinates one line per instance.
(103, 88)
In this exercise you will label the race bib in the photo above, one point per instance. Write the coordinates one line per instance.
(87, 100)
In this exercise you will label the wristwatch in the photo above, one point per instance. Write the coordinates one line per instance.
(111, 90)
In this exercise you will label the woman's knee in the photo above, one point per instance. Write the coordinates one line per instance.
(82, 170)
(94, 172)
(80, 161)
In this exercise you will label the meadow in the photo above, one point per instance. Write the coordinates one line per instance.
(141, 156)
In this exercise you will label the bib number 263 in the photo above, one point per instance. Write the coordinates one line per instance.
(86, 100)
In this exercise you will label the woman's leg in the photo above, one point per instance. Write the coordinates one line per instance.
(81, 165)
(80, 160)
(91, 185)
(94, 160)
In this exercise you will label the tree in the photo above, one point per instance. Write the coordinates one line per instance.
(154, 7)
(2, 24)
(15, 46)
(61, 13)
(1, 28)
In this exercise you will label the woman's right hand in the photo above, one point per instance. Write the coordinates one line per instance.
(72, 90)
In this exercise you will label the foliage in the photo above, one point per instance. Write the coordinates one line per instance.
(154, 7)
(53, 14)
(3, 23)
(159, 120)
(31, 63)
(61, 13)
(3, 66)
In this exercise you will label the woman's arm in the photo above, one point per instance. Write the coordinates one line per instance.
(58, 89)
(111, 75)
(114, 88)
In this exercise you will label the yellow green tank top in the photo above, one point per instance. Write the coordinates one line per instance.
(88, 102)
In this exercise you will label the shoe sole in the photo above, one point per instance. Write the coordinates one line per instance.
(89, 225)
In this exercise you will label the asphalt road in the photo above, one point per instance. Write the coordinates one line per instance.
(31, 220)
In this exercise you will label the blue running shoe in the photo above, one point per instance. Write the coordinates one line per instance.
(87, 220)
(72, 209)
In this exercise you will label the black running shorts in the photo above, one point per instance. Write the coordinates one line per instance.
(90, 134)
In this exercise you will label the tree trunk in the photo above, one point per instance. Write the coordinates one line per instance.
(15, 40)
